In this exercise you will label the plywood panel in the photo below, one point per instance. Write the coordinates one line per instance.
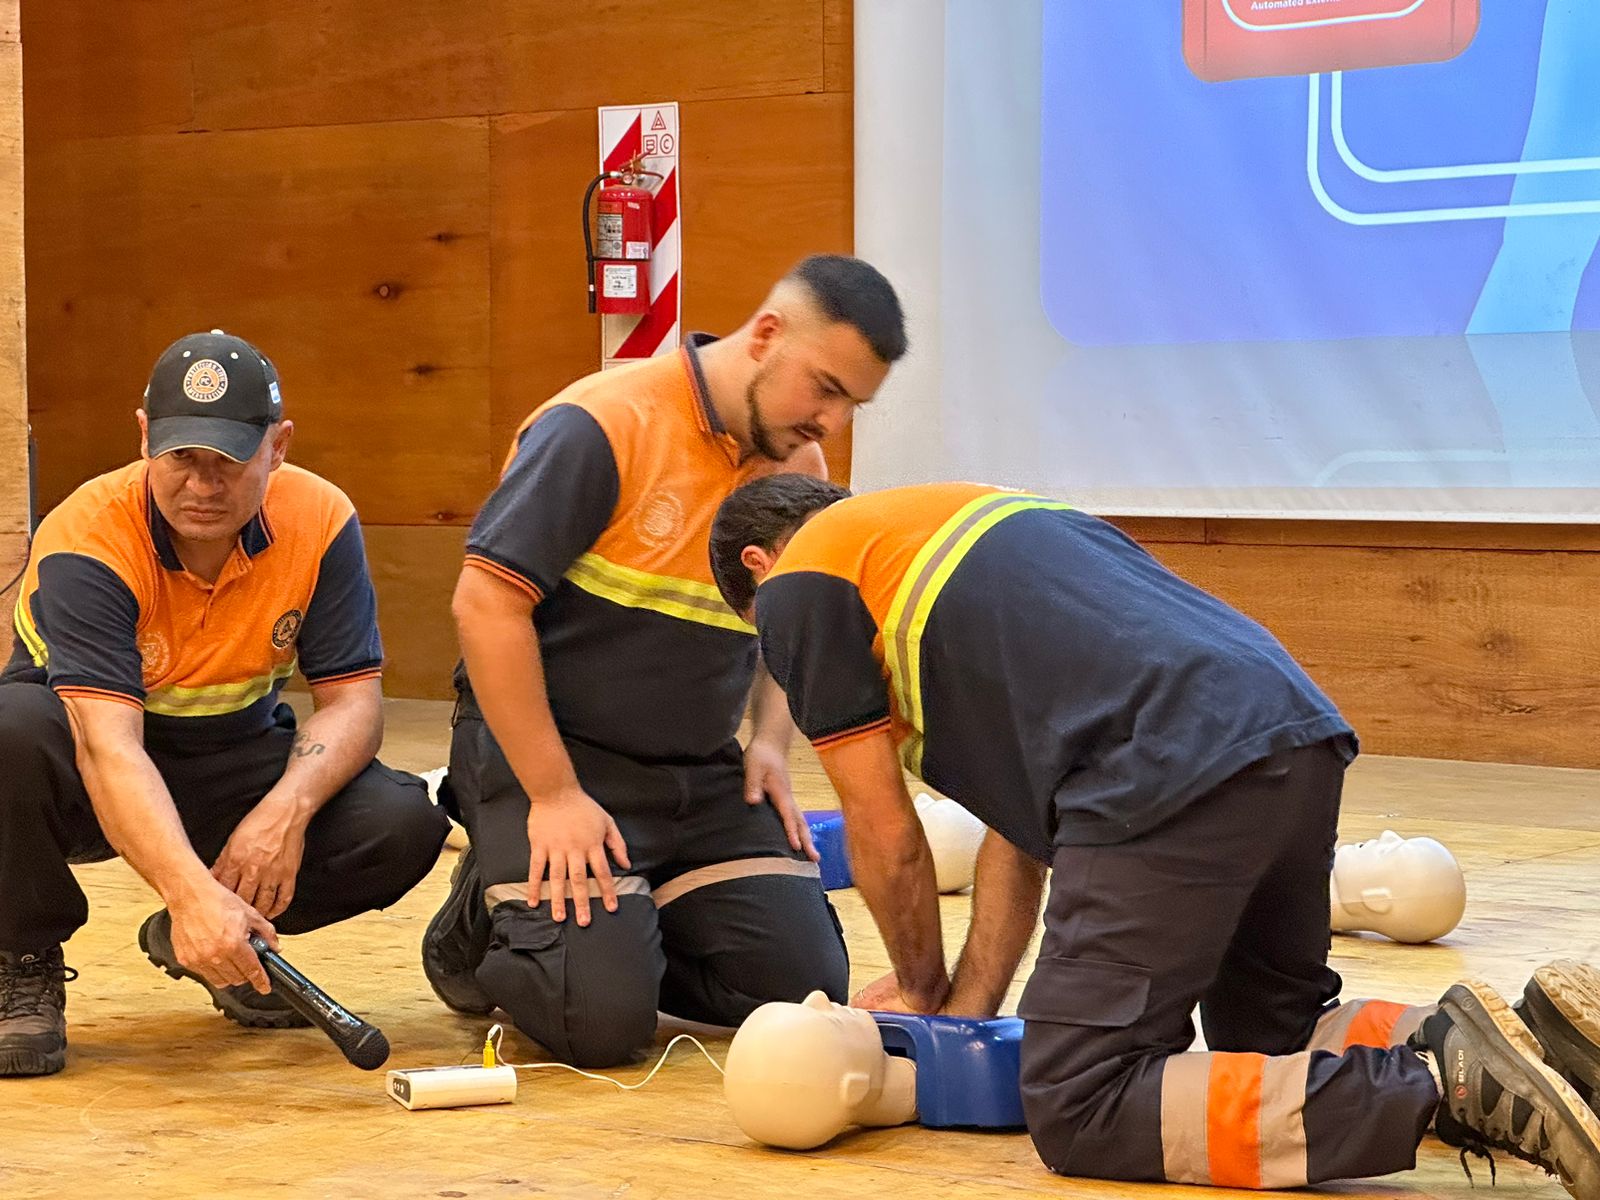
(414, 571)
(552, 54)
(1441, 535)
(312, 62)
(13, 551)
(770, 182)
(1449, 654)
(838, 46)
(1432, 534)
(13, 357)
(355, 256)
(1162, 529)
(543, 335)
(96, 69)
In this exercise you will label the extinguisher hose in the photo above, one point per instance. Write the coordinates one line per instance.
(588, 234)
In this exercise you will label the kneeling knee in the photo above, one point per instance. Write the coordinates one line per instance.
(587, 994)
(414, 829)
(612, 1034)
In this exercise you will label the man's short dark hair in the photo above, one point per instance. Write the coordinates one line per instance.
(762, 513)
(854, 292)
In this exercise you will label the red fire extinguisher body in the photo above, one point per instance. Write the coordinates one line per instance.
(623, 241)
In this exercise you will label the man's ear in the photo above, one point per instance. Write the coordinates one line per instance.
(280, 443)
(765, 329)
(758, 560)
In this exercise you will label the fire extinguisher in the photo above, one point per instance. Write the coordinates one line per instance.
(618, 244)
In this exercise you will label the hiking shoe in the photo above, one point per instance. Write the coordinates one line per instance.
(1500, 1095)
(1561, 1004)
(456, 940)
(240, 1003)
(33, 1012)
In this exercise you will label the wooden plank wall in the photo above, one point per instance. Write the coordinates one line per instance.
(13, 350)
(1475, 642)
(384, 196)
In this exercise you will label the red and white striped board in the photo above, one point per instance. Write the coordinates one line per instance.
(652, 131)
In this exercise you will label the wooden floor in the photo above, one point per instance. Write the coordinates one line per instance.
(161, 1096)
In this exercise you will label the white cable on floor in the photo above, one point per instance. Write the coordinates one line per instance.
(496, 1034)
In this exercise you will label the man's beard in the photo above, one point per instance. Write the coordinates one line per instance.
(760, 433)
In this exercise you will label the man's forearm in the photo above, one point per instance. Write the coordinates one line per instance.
(770, 721)
(1005, 911)
(136, 812)
(333, 746)
(892, 865)
(895, 877)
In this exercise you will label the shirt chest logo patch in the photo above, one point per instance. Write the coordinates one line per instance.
(155, 655)
(659, 520)
(285, 629)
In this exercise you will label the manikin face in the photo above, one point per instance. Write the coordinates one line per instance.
(1409, 889)
(799, 1074)
(1390, 865)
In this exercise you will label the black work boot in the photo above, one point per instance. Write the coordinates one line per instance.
(1499, 1094)
(456, 939)
(241, 1003)
(33, 1012)
(1561, 1004)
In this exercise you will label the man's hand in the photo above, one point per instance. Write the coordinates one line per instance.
(766, 778)
(210, 935)
(262, 857)
(884, 995)
(570, 834)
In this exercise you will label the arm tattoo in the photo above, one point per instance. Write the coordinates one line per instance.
(304, 747)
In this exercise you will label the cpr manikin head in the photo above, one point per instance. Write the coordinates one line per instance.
(798, 1075)
(954, 836)
(1408, 889)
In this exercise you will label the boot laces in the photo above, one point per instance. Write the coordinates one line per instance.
(28, 985)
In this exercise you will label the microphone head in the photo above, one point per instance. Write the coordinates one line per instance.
(371, 1050)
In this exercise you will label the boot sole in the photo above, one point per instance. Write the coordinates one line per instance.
(1562, 1001)
(16, 1063)
(1479, 1007)
(238, 1014)
(439, 929)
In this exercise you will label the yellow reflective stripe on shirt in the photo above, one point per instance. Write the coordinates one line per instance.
(914, 599)
(23, 621)
(217, 700)
(686, 599)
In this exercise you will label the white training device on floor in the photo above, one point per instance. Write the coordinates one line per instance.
(452, 1087)
(495, 1082)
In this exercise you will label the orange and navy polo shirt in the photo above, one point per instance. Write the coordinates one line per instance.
(108, 611)
(1032, 661)
(603, 517)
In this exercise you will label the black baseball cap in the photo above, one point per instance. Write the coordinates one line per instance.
(211, 391)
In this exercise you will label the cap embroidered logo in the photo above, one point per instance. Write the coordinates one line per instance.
(205, 381)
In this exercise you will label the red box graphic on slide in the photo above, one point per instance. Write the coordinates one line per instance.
(1249, 39)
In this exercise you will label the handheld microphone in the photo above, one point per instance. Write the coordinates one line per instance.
(362, 1044)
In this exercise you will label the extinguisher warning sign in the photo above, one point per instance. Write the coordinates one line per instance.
(645, 134)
